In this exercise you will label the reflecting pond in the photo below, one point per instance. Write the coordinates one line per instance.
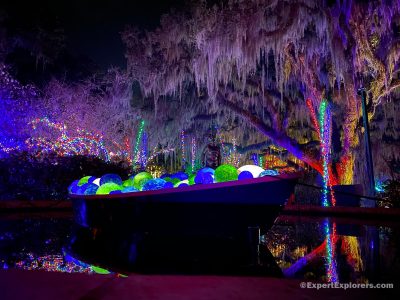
(322, 249)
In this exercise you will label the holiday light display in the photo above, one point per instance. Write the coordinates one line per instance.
(183, 150)
(138, 140)
(193, 147)
(330, 236)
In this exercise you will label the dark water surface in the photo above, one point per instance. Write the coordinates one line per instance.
(322, 249)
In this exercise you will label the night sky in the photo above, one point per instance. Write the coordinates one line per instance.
(91, 27)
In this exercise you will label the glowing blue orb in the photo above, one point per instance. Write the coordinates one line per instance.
(203, 178)
(115, 192)
(182, 183)
(269, 173)
(108, 178)
(130, 189)
(107, 188)
(72, 189)
(86, 179)
(180, 176)
(90, 189)
(154, 184)
(168, 185)
(206, 170)
(253, 169)
(245, 175)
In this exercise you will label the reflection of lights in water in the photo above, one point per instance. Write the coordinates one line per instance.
(59, 263)
(351, 248)
(330, 251)
(53, 263)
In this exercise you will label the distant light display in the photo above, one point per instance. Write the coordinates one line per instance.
(193, 144)
(136, 152)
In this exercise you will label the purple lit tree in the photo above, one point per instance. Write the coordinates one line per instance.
(261, 60)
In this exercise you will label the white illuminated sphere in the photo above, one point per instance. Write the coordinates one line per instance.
(253, 169)
(97, 181)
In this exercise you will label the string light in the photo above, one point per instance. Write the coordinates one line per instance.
(143, 154)
(313, 117)
(193, 144)
(138, 140)
(81, 143)
(330, 251)
(183, 147)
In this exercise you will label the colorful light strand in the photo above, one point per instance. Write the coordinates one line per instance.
(138, 140)
(183, 152)
(313, 116)
(330, 251)
(193, 144)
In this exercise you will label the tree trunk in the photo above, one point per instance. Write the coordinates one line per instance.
(278, 138)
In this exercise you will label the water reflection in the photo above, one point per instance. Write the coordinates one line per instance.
(335, 250)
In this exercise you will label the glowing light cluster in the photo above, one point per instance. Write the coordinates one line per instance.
(53, 263)
(136, 153)
(233, 157)
(183, 152)
(330, 251)
(193, 144)
(313, 116)
(82, 143)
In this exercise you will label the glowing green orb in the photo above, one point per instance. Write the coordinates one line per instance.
(191, 179)
(140, 180)
(84, 180)
(173, 180)
(108, 187)
(128, 182)
(225, 173)
(184, 182)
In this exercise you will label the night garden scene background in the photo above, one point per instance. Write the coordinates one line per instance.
(200, 149)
